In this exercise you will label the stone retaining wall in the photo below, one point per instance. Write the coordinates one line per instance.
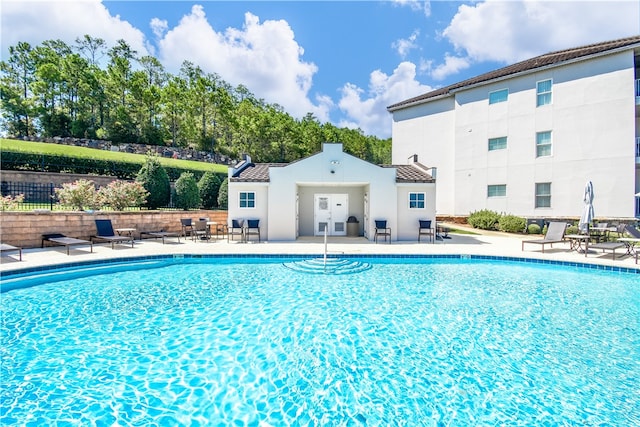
(25, 229)
(57, 179)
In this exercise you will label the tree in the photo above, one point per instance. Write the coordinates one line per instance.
(155, 180)
(223, 194)
(209, 186)
(187, 193)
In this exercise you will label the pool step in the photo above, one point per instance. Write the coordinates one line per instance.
(331, 266)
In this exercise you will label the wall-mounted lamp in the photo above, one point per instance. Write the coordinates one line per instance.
(334, 163)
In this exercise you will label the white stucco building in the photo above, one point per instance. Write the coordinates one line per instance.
(324, 190)
(526, 138)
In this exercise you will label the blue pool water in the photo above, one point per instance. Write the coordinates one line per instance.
(432, 342)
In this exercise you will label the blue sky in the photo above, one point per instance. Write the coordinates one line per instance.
(343, 61)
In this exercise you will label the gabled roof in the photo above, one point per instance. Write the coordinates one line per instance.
(256, 172)
(548, 59)
(259, 172)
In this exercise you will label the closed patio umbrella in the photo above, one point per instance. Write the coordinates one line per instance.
(587, 213)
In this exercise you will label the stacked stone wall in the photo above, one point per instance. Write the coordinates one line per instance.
(25, 229)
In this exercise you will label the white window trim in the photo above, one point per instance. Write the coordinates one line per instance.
(550, 144)
(536, 195)
(496, 185)
(424, 200)
(497, 149)
(255, 202)
(496, 91)
(544, 93)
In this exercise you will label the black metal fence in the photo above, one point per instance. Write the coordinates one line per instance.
(43, 195)
(36, 195)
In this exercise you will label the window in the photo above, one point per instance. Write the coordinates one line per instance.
(247, 199)
(497, 190)
(543, 92)
(497, 143)
(543, 144)
(416, 201)
(498, 96)
(543, 195)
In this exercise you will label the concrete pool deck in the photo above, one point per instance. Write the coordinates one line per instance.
(482, 243)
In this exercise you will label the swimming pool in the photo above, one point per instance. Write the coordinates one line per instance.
(225, 341)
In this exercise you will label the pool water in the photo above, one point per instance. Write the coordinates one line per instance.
(249, 342)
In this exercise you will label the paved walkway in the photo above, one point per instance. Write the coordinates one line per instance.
(486, 243)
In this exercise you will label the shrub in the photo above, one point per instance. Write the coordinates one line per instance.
(155, 180)
(209, 186)
(512, 224)
(187, 193)
(572, 229)
(484, 219)
(122, 194)
(78, 195)
(223, 194)
(534, 228)
(9, 203)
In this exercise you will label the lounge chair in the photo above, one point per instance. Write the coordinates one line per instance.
(61, 239)
(105, 233)
(252, 229)
(555, 234)
(631, 242)
(159, 235)
(381, 230)
(10, 248)
(425, 229)
(606, 246)
(236, 228)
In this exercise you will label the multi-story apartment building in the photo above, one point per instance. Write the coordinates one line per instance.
(526, 138)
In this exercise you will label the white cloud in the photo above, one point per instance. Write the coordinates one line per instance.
(451, 65)
(264, 57)
(404, 46)
(368, 111)
(511, 31)
(423, 6)
(159, 27)
(37, 21)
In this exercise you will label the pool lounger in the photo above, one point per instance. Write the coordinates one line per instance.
(61, 239)
(159, 235)
(607, 246)
(10, 248)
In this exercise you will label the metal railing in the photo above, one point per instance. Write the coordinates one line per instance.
(36, 195)
(43, 195)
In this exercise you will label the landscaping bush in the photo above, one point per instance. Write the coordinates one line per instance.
(187, 193)
(534, 229)
(512, 224)
(484, 219)
(9, 203)
(572, 229)
(121, 194)
(78, 195)
(209, 186)
(155, 180)
(223, 194)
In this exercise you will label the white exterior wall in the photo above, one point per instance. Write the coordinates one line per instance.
(279, 202)
(428, 131)
(593, 126)
(259, 212)
(409, 218)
